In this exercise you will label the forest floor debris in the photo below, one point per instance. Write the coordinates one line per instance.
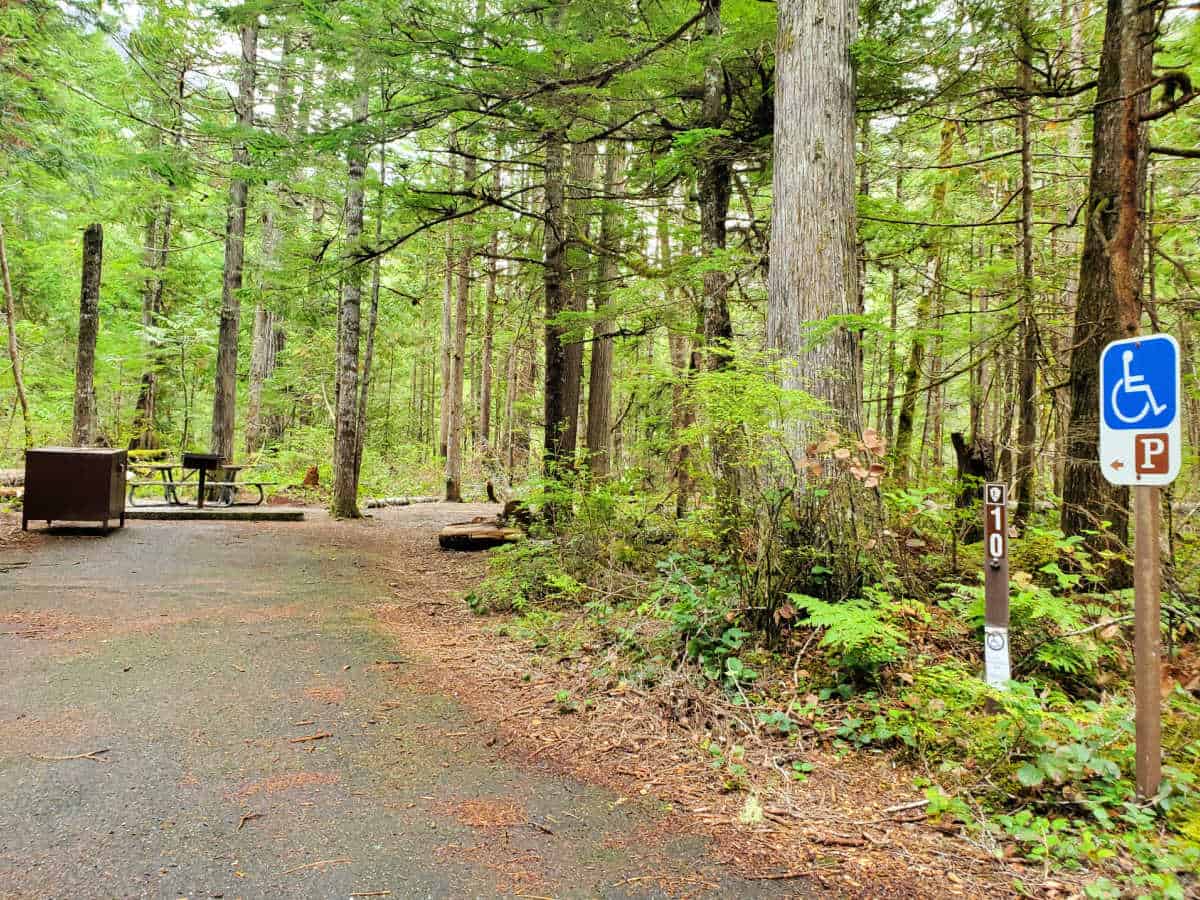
(844, 826)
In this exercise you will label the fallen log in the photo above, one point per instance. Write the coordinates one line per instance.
(380, 502)
(478, 535)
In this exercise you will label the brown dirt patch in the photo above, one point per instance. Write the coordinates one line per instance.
(48, 625)
(327, 695)
(492, 812)
(63, 734)
(519, 872)
(278, 784)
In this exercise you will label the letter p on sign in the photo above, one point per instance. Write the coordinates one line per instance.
(1153, 453)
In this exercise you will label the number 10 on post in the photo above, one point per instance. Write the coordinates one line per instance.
(996, 669)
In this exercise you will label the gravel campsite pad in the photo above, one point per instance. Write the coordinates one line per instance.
(215, 710)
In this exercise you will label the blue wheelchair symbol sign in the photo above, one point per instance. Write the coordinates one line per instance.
(1139, 382)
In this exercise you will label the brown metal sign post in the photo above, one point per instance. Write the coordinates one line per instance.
(1147, 648)
(996, 668)
(1141, 445)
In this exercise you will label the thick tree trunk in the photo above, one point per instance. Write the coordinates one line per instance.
(345, 441)
(599, 417)
(225, 391)
(454, 445)
(814, 194)
(1027, 365)
(1118, 153)
(83, 430)
(14, 350)
(578, 213)
(557, 412)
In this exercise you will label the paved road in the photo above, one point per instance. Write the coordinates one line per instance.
(194, 654)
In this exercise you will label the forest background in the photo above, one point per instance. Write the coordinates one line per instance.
(743, 301)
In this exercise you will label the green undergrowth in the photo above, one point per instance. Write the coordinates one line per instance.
(1041, 772)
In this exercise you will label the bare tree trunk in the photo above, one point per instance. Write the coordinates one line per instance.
(345, 441)
(489, 328)
(916, 354)
(889, 401)
(599, 418)
(265, 341)
(1026, 473)
(447, 329)
(158, 242)
(1112, 255)
(14, 350)
(557, 409)
(814, 202)
(454, 445)
(714, 184)
(360, 431)
(578, 216)
(83, 430)
(225, 391)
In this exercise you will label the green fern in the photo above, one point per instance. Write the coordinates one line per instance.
(859, 631)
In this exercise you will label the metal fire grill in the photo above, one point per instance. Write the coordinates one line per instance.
(74, 484)
(205, 462)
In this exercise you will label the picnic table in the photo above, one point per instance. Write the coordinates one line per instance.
(192, 473)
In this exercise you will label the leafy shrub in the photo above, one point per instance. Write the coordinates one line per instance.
(1043, 622)
(522, 574)
(700, 602)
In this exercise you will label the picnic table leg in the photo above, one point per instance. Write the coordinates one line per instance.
(200, 501)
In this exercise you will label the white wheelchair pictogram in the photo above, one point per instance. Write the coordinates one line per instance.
(1130, 383)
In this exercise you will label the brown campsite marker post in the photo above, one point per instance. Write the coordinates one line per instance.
(996, 667)
(1147, 649)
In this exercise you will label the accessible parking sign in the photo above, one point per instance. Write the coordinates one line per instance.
(1140, 437)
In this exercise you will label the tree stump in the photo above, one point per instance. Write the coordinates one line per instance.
(976, 465)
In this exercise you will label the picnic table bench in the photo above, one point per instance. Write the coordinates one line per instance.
(142, 475)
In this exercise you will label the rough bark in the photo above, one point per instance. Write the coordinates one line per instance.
(554, 288)
(225, 390)
(1026, 472)
(814, 269)
(1118, 153)
(14, 349)
(83, 428)
(345, 441)
(976, 466)
(578, 214)
(454, 440)
(599, 417)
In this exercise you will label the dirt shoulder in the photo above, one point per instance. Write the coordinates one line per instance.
(855, 827)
